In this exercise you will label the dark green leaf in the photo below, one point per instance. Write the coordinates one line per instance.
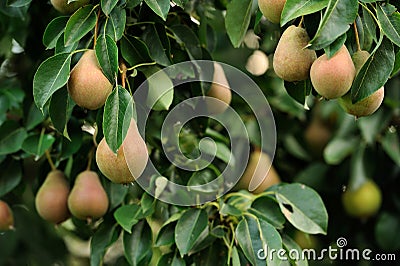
(267, 209)
(166, 235)
(391, 145)
(115, 23)
(156, 40)
(11, 138)
(187, 38)
(188, 229)
(128, 215)
(107, 6)
(369, 23)
(61, 48)
(79, 24)
(296, 8)
(390, 22)
(387, 231)
(18, 3)
(134, 51)
(303, 208)
(107, 55)
(116, 193)
(161, 89)
(339, 148)
(227, 209)
(160, 7)
(59, 110)
(53, 31)
(290, 245)
(10, 177)
(104, 237)
(34, 118)
(51, 75)
(396, 69)
(237, 20)
(299, 90)
(332, 49)
(37, 144)
(372, 126)
(137, 246)
(147, 203)
(171, 259)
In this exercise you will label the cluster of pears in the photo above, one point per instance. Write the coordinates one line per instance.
(257, 172)
(87, 84)
(55, 202)
(219, 94)
(63, 7)
(6, 217)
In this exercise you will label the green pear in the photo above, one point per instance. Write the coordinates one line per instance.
(272, 9)
(63, 7)
(87, 85)
(292, 60)
(219, 90)
(6, 217)
(51, 199)
(88, 198)
(130, 160)
(333, 77)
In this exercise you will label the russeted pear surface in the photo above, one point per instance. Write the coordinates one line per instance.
(258, 171)
(219, 90)
(87, 85)
(130, 160)
(51, 199)
(368, 105)
(272, 9)
(62, 6)
(333, 77)
(88, 198)
(6, 217)
(292, 61)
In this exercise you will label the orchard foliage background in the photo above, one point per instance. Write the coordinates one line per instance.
(318, 144)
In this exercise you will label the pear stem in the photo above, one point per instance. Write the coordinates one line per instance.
(123, 74)
(301, 22)
(53, 167)
(96, 29)
(90, 159)
(357, 38)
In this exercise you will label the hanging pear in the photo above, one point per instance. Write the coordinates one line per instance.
(292, 60)
(88, 198)
(63, 7)
(87, 85)
(272, 9)
(6, 217)
(52, 196)
(219, 90)
(130, 160)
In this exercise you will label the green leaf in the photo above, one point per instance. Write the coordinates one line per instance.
(128, 215)
(61, 48)
(267, 209)
(390, 22)
(171, 259)
(203, 178)
(369, 23)
(60, 110)
(296, 8)
(227, 209)
(391, 145)
(339, 148)
(299, 90)
(334, 47)
(118, 111)
(18, 3)
(107, 55)
(10, 177)
(396, 69)
(107, 6)
(161, 89)
(147, 203)
(374, 73)
(37, 144)
(166, 235)
(156, 40)
(134, 51)
(53, 31)
(34, 117)
(188, 229)
(187, 38)
(387, 231)
(11, 138)
(137, 246)
(104, 237)
(372, 126)
(290, 245)
(79, 24)
(337, 17)
(160, 7)
(51, 75)
(303, 208)
(115, 23)
(237, 20)
(116, 193)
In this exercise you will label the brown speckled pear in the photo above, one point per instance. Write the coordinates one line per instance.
(51, 199)
(272, 9)
(87, 85)
(130, 160)
(6, 217)
(219, 90)
(333, 77)
(257, 169)
(292, 61)
(88, 198)
(63, 7)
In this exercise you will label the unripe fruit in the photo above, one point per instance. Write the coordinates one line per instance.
(51, 199)
(219, 90)
(88, 198)
(292, 61)
(6, 217)
(272, 9)
(363, 202)
(258, 171)
(62, 6)
(130, 160)
(333, 77)
(257, 63)
(87, 85)
(305, 241)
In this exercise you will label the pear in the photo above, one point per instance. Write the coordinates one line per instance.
(368, 105)
(6, 217)
(257, 171)
(257, 63)
(130, 160)
(219, 90)
(87, 85)
(272, 9)
(317, 136)
(292, 60)
(51, 199)
(333, 77)
(63, 7)
(88, 198)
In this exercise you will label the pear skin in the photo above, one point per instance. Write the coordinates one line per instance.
(272, 9)
(63, 7)
(130, 160)
(88, 198)
(333, 77)
(292, 61)
(51, 199)
(219, 90)
(87, 85)
(257, 170)
(6, 217)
